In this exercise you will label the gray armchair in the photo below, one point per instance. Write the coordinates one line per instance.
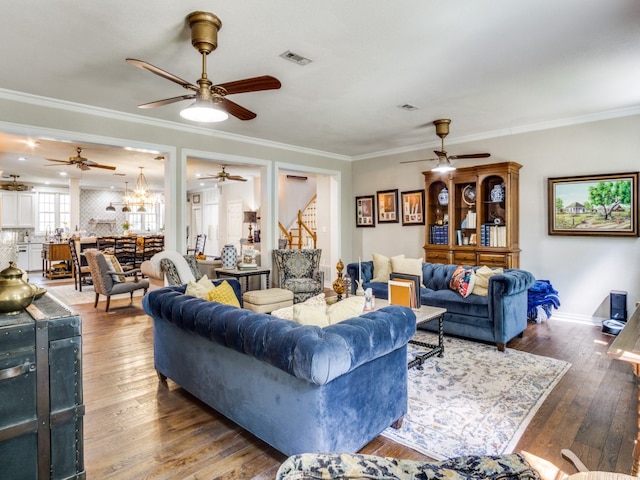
(108, 282)
(299, 271)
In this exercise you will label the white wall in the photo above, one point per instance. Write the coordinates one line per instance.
(583, 269)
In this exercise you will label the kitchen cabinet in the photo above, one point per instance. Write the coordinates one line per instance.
(35, 257)
(18, 209)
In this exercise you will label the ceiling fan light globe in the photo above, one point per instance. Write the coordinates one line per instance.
(203, 113)
(443, 167)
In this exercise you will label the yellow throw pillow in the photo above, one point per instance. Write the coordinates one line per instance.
(345, 309)
(200, 288)
(223, 293)
(310, 315)
(382, 267)
(410, 266)
(116, 267)
(483, 274)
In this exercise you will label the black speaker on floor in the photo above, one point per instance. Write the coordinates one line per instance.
(618, 305)
(618, 312)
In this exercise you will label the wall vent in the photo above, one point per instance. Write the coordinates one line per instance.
(295, 58)
(408, 106)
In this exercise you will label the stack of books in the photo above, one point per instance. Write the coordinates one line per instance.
(404, 289)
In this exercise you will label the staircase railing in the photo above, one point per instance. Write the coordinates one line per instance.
(302, 226)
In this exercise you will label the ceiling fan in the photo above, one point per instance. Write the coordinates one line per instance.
(224, 176)
(81, 162)
(444, 160)
(14, 186)
(211, 100)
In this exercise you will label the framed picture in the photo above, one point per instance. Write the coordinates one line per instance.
(365, 211)
(596, 205)
(387, 206)
(196, 198)
(412, 207)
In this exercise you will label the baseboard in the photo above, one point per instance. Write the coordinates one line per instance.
(577, 318)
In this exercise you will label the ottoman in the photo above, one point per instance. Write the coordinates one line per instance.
(266, 301)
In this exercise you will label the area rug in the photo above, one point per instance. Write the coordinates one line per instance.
(475, 400)
(68, 295)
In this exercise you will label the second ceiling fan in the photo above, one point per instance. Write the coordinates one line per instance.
(211, 100)
(223, 176)
(81, 162)
(444, 160)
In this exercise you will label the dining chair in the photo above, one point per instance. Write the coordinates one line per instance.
(80, 272)
(201, 240)
(108, 280)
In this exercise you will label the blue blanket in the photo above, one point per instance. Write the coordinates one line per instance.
(541, 296)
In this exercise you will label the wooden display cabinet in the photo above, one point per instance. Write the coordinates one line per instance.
(472, 216)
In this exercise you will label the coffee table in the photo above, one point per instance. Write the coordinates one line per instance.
(424, 315)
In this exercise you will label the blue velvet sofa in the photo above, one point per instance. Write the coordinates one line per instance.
(299, 388)
(497, 318)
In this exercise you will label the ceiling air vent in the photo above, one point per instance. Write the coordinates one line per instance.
(295, 58)
(408, 106)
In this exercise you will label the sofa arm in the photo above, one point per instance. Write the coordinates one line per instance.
(510, 282)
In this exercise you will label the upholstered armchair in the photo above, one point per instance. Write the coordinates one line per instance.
(108, 281)
(299, 271)
(176, 268)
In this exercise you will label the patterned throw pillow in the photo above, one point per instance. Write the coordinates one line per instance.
(462, 281)
(116, 267)
(223, 293)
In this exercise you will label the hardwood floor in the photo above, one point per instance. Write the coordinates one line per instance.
(136, 428)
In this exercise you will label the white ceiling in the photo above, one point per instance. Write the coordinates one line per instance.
(493, 66)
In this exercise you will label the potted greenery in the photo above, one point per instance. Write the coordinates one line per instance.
(125, 227)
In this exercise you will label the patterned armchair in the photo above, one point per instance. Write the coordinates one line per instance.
(175, 272)
(298, 271)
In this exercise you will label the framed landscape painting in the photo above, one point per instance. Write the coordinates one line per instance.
(597, 205)
(412, 207)
(365, 212)
(387, 206)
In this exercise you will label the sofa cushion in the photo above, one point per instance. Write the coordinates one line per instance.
(462, 281)
(382, 267)
(223, 293)
(473, 305)
(483, 274)
(436, 276)
(410, 266)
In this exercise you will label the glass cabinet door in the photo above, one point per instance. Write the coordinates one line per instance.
(465, 214)
(438, 213)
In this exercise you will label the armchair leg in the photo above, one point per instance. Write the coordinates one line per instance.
(108, 302)
(95, 303)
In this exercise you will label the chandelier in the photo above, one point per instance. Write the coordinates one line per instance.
(140, 197)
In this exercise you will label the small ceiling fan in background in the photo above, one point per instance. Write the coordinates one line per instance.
(444, 160)
(14, 186)
(81, 162)
(211, 104)
(223, 176)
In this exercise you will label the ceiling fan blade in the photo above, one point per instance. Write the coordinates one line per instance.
(236, 110)
(471, 155)
(236, 177)
(161, 73)
(255, 84)
(59, 161)
(421, 160)
(106, 167)
(166, 101)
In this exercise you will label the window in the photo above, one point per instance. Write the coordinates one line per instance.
(54, 211)
(144, 222)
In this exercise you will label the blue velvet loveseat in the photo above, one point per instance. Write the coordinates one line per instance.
(497, 318)
(299, 388)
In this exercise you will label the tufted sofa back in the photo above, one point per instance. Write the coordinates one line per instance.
(436, 276)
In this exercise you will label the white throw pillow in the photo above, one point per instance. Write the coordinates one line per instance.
(286, 313)
(483, 274)
(345, 309)
(310, 315)
(382, 267)
(410, 266)
(200, 288)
